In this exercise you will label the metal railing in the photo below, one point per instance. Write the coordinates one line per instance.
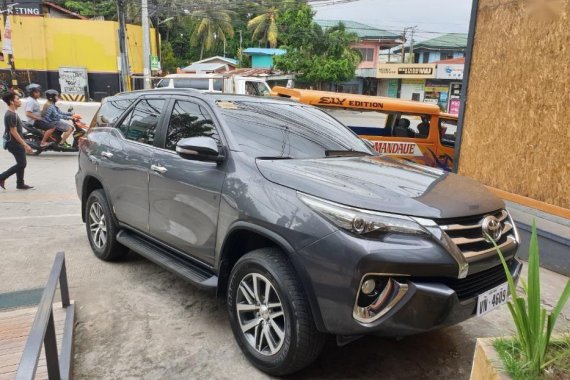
(43, 330)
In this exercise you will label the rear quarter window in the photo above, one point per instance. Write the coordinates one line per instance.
(110, 112)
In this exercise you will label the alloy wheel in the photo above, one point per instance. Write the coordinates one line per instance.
(260, 314)
(97, 225)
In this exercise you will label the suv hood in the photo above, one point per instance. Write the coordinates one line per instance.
(383, 184)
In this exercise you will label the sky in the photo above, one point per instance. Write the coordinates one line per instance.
(433, 17)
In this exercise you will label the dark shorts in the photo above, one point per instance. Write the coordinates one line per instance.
(40, 124)
(60, 126)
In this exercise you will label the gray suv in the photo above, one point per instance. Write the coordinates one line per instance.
(296, 221)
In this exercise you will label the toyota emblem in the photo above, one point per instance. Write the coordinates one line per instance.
(492, 227)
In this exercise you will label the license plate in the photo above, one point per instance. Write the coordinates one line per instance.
(492, 299)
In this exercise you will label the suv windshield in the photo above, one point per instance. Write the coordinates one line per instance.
(264, 129)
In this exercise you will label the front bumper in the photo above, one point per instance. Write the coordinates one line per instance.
(435, 298)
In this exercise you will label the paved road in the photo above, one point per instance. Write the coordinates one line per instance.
(139, 321)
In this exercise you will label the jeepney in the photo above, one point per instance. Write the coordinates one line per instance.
(411, 130)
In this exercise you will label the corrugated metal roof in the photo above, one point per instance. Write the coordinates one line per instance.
(204, 67)
(362, 30)
(454, 61)
(231, 61)
(264, 51)
(449, 41)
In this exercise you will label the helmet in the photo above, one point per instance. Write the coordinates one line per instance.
(32, 87)
(51, 95)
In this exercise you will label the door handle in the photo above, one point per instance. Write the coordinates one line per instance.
(158, 169)
(107, 154)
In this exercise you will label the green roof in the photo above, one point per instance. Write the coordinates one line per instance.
(362, 30)
(451, 41)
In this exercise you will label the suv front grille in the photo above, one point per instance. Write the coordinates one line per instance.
(467, 234)
(476, 283)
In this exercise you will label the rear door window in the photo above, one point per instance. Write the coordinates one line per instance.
(110, 112)
(141, 122)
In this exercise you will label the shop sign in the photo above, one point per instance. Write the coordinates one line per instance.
(25, 8)
(410, 70)
(154, 63)
(454, 105)
(73, 80)
(454, 98)
(452, 71)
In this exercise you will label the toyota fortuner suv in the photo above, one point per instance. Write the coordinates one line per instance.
(296, 221)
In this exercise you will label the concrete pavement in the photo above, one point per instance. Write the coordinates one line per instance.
(136, 320)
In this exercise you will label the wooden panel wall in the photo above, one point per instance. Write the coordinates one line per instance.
(516, 134)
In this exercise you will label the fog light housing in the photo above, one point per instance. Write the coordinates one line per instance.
(368, 286)
(377, 295)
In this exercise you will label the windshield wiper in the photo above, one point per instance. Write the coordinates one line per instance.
(346, 153)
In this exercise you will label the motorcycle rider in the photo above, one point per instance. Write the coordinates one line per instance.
(34, 115)
(52, 115)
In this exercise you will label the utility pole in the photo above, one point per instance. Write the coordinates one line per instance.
(124, 82)
(412, 45)
(404, 45)
(146, 44)
(13, 78)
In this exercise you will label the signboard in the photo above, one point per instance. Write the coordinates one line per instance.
(454, 98)
(7, 40)
(73, 83)
(402, 70)
(454, 71)
(25, 8)
(154, 63)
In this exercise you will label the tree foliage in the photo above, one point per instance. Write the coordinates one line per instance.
(226, 27)
(316, 55)
(211, 24)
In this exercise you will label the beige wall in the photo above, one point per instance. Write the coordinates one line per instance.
(516, 133)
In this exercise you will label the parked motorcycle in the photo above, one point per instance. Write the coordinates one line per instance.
(33, 136)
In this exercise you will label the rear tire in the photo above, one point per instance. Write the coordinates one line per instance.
(274, 327)
(102, 229)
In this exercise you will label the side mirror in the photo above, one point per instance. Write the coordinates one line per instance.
(200, 149)
(70, 109)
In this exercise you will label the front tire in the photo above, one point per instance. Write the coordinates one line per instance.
(270, 315)
(102, 229)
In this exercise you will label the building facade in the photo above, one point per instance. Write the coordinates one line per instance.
(43, 46)
(371, 42)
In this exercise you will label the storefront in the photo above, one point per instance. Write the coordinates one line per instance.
(404, 81)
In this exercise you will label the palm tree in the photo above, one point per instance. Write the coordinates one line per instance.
(211, 23)
(264, 27)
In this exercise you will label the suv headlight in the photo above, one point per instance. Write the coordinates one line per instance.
(366, 223)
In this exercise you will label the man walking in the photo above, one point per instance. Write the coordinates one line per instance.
(14, 142)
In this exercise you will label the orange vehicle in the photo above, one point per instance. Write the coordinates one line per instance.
(414, 131)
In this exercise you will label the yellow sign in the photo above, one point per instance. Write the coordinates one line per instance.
(403, 70)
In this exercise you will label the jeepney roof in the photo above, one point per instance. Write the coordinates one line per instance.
(354, 101)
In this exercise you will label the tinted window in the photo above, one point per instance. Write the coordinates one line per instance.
(198, 84)
(256, 89)
(413, 126)
(189, 120)
(374, 123)
(140, 124)
(448, 130)
(110, 111)
(286, 130)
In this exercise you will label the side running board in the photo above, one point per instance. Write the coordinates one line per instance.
(189, 271)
